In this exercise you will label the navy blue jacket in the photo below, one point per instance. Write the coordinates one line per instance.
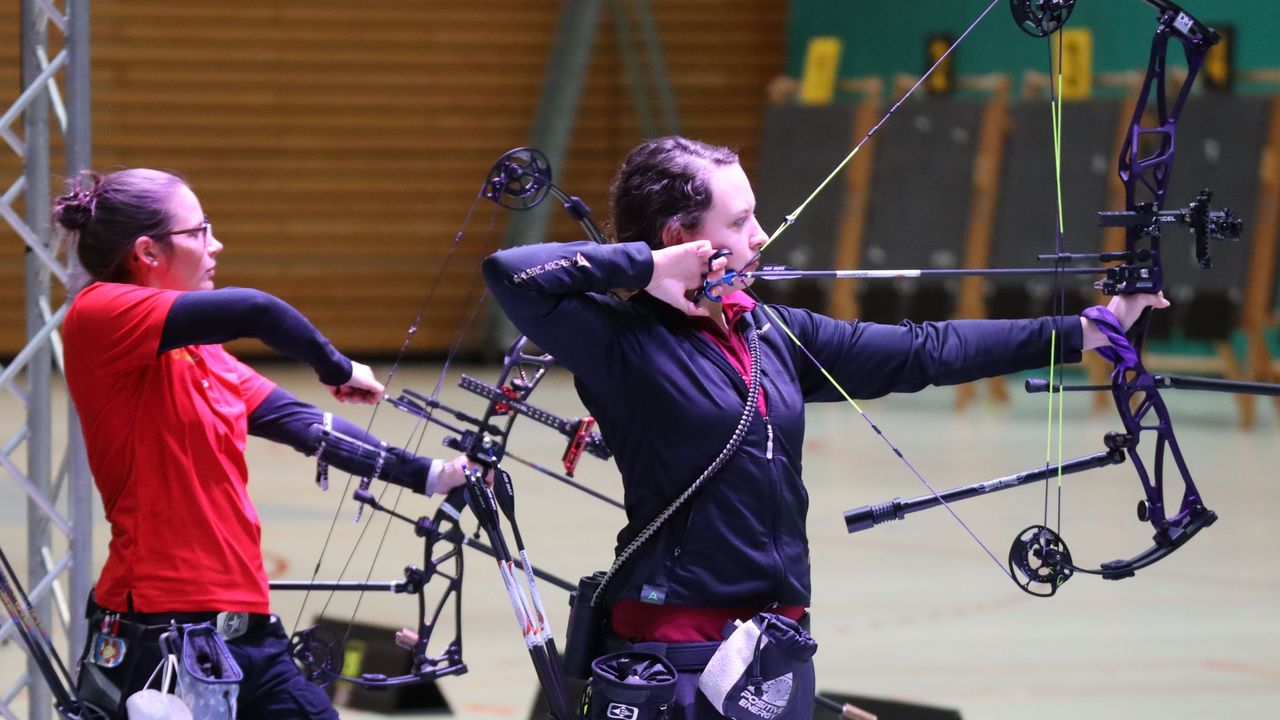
(667, 401)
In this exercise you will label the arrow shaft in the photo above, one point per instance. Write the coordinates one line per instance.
(789, 274)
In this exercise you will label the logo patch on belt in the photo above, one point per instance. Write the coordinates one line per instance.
(653, 595)
(232, 625)
(108, 650)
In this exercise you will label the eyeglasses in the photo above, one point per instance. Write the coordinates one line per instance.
(206, 228)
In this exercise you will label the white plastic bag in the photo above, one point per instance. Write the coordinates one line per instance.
(161, 704)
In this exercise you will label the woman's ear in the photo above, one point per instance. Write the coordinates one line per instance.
(673, 234)
(146, 251)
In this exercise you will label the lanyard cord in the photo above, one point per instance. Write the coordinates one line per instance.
(753, 392)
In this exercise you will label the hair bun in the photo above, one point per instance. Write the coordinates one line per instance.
(74, 214)
(75, 209)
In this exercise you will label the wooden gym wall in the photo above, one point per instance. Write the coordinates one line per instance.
(336, 146)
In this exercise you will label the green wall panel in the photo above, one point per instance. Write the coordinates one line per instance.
(882, 37)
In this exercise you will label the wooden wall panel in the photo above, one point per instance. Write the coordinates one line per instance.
(12, 299)
(336, 146)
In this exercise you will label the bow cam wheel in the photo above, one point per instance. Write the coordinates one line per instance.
(1040, 561)
(318, 653)
(519, 179)
(1041, 18)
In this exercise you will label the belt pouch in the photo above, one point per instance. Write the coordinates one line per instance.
(630, 686)
(208, 676)
(105, 689)
(764, 671)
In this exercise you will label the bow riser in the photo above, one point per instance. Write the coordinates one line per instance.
(1146, 175)
(1146, 178)
(1143, 396)
(1142, 410)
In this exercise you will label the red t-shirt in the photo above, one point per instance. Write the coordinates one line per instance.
(165, 436)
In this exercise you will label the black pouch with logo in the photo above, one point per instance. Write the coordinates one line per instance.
(106, 686)
(764, 671)
(630, 686)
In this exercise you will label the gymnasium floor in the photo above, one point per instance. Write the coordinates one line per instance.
(913, 611)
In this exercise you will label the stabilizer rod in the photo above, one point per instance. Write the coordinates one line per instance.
(868, 516)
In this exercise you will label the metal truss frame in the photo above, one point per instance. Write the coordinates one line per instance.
(58, 498)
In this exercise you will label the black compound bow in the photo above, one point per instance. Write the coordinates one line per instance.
(519, 180)
(1039, 560)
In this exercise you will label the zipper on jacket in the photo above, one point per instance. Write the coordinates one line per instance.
(768, 446)
(779, 568)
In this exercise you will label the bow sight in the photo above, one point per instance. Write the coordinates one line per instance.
(1141, 270)
(486, 441)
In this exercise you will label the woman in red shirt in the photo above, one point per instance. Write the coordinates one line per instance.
(166, 412)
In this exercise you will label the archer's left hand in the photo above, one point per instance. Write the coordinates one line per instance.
(453, 474)
(1127, 309)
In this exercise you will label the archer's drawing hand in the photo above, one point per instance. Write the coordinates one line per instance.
(363, 387)
(679, 269)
